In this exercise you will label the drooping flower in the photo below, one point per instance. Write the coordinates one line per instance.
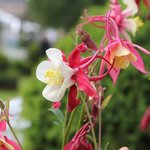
(56, 74)
(6, 143)
(60, 75)
(123, 54)
(145, 122)
(79, 141)
(125, 19)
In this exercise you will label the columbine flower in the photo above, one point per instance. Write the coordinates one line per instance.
(79, 141)
(5, 143)
(56, 74)
(145, 122)
(122, 54)
(124, 19)
(60, 75)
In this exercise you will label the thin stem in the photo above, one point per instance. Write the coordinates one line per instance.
(14, 134)
(63, 131)
(100, 122)
(81, 117)
(106, 146)
(91, 123)
(69, 125)
(99, 135)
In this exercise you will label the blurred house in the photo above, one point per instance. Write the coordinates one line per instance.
(12, 23)
(15, 7)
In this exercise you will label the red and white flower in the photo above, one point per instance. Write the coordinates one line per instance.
(56, 74)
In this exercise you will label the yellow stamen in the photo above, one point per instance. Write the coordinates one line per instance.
(121, 62)
(124, 61)
(54, 77)
(138, 21)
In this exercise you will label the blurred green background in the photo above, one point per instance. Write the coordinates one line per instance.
(131, 95)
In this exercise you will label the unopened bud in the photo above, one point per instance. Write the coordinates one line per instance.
(85, 37)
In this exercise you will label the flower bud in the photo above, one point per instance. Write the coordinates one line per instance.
(85, 37)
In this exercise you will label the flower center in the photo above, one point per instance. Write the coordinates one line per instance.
(139, 22)
(121, 62)
(124, 61)
(54, 77)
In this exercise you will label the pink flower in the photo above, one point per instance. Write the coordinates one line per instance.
(145, 122)
(125, 19)
(123, 53)
(79, 141)
(5, 143)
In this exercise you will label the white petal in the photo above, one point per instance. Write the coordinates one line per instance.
(51, 92)
(55, 56)
(65, 85)
(130, 25)
(131, 9)
(42, 68)
(67, 72)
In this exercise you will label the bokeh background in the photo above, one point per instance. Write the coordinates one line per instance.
(27, 29)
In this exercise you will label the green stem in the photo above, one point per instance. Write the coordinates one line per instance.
(106, 146)
(63, 131)
(81, 118)
(69, 125)
(100, 124)
(91, 124)
(7, 120)
(99, 138)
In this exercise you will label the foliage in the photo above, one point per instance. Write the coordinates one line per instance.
(10, 71)
(58, 13)
(40, 135)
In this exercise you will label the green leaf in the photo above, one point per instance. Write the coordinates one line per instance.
(58, 113)
(106, 101)
(56, 123)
